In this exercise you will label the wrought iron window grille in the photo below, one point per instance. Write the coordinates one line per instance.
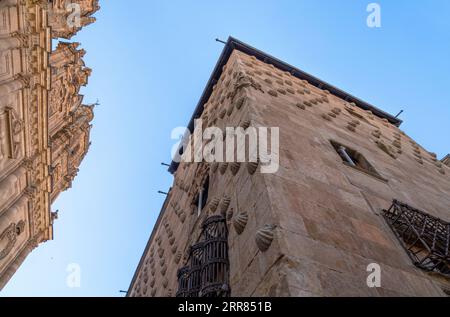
(207, 272)
(425, 238)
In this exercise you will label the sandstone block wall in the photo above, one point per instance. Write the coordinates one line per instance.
(312, 228)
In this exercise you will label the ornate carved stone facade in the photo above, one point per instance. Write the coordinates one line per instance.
(44, 127)
(313, 227)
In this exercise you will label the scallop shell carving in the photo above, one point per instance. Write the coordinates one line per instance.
(397, 144)
(213, 204)
(307, 103)
(240, 103)
(300, 105)
(172, 240)
(240, 222)
(178, 257)
(223, 168)
(182, 217)
(252, 167)
(290, 90)
(230, 110)
(174, 249)
(230, 214)
(165, 282)
(225, 204)
(353, 123)
(264, 237)
(234, 167)
(326, 117)
(273, 93)
(176, 209)
(245, 125)
(214, 167)
(336, 111)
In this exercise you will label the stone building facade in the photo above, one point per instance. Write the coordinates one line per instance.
(44, 126)
(315, 226)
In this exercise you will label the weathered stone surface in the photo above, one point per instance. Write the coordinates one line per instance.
(326, 213)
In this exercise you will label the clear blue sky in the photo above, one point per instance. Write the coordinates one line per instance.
(151, 61)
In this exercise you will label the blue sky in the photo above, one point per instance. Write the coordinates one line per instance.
(151, 61)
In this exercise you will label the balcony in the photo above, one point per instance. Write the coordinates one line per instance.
(425, 238)
(207, 272)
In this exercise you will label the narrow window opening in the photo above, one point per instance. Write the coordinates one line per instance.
(355, 159)
(345, 156)
(202, 197)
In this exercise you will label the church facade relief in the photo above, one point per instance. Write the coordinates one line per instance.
(44, 125)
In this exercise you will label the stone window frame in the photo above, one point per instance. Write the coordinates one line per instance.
(356, 160)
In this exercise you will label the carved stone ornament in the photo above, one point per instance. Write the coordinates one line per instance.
(8, 238)
(252, 167)
(240, 222)
(10, 133)
(264, 237)
(213, 204)
(224, 204)
(235, 166)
